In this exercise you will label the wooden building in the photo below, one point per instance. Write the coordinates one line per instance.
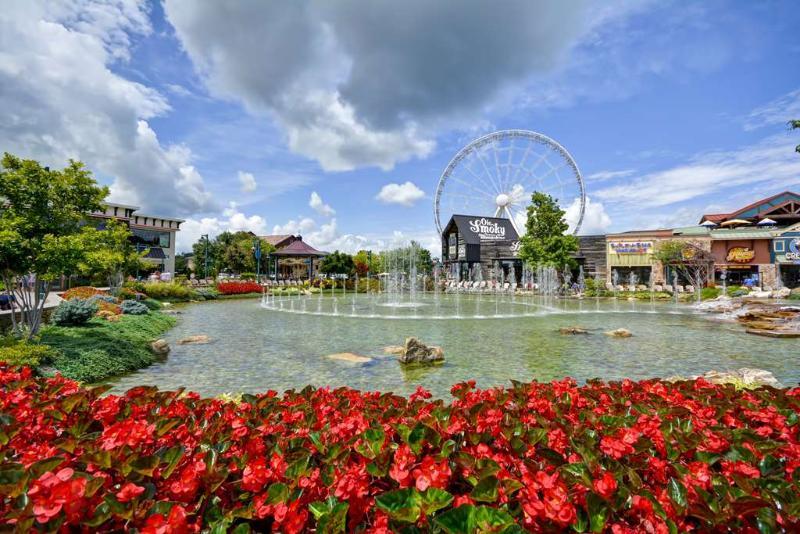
(470, 240)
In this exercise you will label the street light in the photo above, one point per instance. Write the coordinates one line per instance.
(257, 254)
(205, 276)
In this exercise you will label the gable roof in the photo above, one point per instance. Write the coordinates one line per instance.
(758, 209)
(298, 248)
(277, 240)
(476, 229)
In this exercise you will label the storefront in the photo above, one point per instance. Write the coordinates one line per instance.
(743, 257)
(786, 255)
(631, 257)
(469, 241)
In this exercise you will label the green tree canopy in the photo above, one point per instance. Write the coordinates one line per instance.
(546, 242)
(231, 252)
(42, 232)
(108, 251)
(794, 125)
(337, 263)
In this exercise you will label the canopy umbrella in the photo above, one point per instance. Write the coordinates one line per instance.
(766, 222)
(735, 222)
(708, 224)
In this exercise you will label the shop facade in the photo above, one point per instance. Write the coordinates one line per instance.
(469, 241)
(786, 256)
(742, 256)
(633, 254)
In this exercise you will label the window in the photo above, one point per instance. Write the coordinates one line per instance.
(780, 245)
(115, 211)
(150, 238)
(452, 245)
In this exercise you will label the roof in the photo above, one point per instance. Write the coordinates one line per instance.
(155, 253)
(757, 209)
(744, 233)
(477, 229)
(298, 248)
(276, 239)
(659, 232)
(692, 230)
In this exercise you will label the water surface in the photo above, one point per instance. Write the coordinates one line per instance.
(256, 349)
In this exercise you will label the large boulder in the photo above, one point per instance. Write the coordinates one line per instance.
(415, 351)
(200, 339)
(782, 293)
(620, 333)
(349, 357)
(160, 347)
(744, 378)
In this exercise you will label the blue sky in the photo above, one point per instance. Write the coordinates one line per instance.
(293, 117)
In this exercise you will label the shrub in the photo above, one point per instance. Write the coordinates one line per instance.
(82, 292)
(132, 307)
(102, 297)
(17, 352)
(238, 288)
(207, 293)
(711, 292)
(623, 456)
(739, 293)
(171, 291)
(75, 312)
(152, 304)
(126, 293)
(108, 348)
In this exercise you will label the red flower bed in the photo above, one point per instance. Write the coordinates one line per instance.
(619, 457)
(238, 287)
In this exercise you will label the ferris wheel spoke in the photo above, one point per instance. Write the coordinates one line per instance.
(488, 185)
(522, 162)
(486, 168)
(482, 193)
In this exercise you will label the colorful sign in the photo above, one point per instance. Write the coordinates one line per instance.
(631, 247)
(487, 230)
(741, 255)
(794, 251)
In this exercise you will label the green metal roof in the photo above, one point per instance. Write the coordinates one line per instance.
(744, 233)
(691, 230)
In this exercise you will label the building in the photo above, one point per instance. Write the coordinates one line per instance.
(472, 240)
(155, 234)
(293, 258)
(786, 256)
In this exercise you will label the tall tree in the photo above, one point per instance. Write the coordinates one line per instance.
(337, 263)
(108, 251)
(546, 242)
(41, 232)
(794, 125)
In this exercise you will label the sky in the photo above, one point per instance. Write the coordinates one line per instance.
(335, 120)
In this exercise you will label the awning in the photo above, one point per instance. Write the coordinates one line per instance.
(735, 222)
(155, 253)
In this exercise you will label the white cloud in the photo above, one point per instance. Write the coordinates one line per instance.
(768, 165)
(355, 85)
(294, 227)
(404, 194)
(316, 203)
(247, 182)
(61, 100)
(232, 220)
(602, 176)
(779, 111)
(595, 218)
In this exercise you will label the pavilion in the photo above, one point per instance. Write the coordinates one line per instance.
(296, 260)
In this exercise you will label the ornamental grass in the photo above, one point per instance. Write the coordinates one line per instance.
(620, 457)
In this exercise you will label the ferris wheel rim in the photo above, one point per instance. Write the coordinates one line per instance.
(530, 135)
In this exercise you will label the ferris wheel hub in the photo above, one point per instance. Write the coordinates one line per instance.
(502, 200)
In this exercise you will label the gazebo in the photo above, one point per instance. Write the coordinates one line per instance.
(297, 260)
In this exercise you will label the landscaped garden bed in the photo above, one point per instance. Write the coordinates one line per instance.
(647, 456)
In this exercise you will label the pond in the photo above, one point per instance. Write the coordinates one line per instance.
(254, 348)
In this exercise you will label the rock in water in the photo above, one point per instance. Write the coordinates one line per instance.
(620, 332)
(160, 347)
(200, 339)
(397, 350)
(415, 351)
(349, 357)
(744, 377)
(572, 330)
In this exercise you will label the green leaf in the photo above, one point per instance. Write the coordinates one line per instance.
(598, 512)
(535, 435)
(434, 499)
(766, 521)
(334, 521)
(277, 492)
(297, 468)
(769, 465)
(43, 466)
(579, 471)
(402, 505)
(677, 494)
(485, 490)
(468, 518)
(171, 456)
(416, 438)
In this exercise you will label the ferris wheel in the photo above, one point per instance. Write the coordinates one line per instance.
(497, 174)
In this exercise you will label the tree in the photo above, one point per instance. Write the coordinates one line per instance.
(231, 252)
(337, 263)
(41, 234)
(108, 251)
(794, 125)
(546, 243)
(689, 259)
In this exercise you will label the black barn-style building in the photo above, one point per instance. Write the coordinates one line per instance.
(471, 239)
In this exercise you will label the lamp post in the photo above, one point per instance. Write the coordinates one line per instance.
(205, 262)
(257, 254)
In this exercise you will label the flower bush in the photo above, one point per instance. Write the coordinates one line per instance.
(82, 292)
(621, 457)
(238, 287)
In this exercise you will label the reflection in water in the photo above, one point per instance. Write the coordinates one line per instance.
(256, 349)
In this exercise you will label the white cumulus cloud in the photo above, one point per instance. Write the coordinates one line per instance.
(247, 182)
(405, 194)
(316, 203)
(232, 220)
